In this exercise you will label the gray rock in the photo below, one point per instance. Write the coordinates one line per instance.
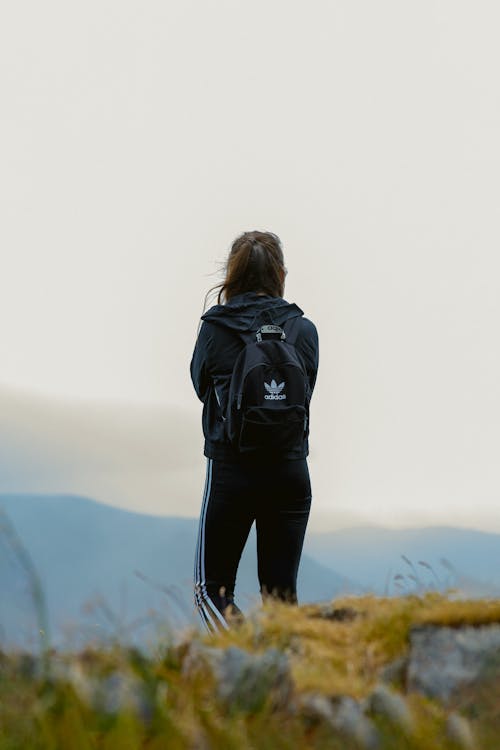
(193, 655)
(85, 683)
(443, 659)
(315, 708)
(244, 680)
(118, 692)
(111, 693)
(458, 730)
(349, 719)
(392, 706)
(343, 714)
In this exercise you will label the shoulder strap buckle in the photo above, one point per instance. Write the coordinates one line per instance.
(270, 330)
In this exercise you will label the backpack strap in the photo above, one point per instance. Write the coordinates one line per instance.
(248, 337)
(292, 329)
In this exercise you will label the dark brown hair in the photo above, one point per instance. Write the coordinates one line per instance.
(255, 264)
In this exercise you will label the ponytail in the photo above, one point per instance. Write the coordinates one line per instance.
(255, 264)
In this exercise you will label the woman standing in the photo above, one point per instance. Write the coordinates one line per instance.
(267, 483)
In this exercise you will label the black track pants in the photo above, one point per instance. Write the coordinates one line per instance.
(278, 498)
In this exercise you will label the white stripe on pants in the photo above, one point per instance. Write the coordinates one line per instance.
(204, 603)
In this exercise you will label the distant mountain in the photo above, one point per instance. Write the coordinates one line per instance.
(106, 570)
(85, 552)
(463, 558)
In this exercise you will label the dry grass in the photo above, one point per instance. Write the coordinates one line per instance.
(456, 614)
(339, 649)
(346, 656)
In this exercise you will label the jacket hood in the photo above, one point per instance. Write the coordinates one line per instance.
(249, 311)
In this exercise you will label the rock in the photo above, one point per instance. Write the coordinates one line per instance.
(443, 659)
(343, 714)
(84, 682)
(458, 730)
(121, 692)
(349, 719)
(244, 680)
(391, 705)
(193, 655)
(110, 693)
(315, 708)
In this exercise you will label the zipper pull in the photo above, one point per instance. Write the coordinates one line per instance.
(238, 403)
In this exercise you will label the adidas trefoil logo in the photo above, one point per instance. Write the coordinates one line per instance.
(274, 391)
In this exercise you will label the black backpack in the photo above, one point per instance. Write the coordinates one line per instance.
(269, 393)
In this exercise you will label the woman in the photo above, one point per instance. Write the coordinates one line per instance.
(271, 488)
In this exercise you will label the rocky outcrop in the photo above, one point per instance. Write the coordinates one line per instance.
(457, 667)
(244, 680)
(443, 660)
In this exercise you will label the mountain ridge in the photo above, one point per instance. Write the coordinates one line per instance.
(85, 550)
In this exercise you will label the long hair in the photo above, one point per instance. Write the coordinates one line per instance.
(255, 264)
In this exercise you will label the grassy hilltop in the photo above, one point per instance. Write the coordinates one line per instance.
(317, 676)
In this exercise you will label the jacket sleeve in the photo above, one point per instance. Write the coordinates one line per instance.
(200, 372)
(309, 348)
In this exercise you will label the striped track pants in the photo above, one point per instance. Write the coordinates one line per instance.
(277, 497)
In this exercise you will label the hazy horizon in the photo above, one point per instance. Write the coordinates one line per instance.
(147, 459)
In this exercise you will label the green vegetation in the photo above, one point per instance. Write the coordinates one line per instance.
(120, 699)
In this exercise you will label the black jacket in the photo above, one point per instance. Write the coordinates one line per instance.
(218, 344)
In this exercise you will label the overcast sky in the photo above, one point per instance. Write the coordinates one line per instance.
(139, 139)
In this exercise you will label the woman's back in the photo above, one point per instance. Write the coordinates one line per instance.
(223, 334)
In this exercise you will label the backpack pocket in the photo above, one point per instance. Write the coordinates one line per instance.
(271, 430)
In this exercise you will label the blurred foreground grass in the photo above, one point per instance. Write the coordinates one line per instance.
(120, 699)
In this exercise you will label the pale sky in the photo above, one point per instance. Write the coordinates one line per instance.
(139, 139)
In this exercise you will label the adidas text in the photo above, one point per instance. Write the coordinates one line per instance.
(274, 390)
